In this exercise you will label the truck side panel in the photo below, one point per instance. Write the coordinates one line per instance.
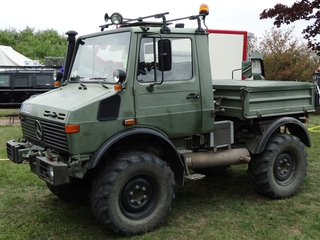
(255, 99)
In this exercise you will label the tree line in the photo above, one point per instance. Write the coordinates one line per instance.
(33, 44)
(286, 57)
(308, 11)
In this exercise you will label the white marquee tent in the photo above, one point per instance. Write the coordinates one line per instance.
(10, 57)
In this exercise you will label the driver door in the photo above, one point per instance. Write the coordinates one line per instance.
(173, 106)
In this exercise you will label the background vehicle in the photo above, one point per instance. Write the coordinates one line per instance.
(137, 109)
(227, 50)
(21, 77)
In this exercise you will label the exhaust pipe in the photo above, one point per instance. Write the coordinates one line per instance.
(200, 160)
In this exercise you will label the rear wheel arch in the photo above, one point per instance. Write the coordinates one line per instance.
(294, 126)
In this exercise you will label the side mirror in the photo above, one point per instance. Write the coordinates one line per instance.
(257, 66)
(246, 69)
(165, 55)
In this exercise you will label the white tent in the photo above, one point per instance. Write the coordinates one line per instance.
(10, 57)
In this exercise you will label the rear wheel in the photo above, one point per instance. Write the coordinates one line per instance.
(279, 171)
(133, 193)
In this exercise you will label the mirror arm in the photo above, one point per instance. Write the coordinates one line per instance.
(235, 70)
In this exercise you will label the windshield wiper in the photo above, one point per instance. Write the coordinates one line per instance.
(76, 78)
(100, 78)
(84, 87)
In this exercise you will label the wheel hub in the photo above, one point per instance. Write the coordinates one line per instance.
(139, 197)
(284, 167)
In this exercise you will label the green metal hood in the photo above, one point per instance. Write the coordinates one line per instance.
(64, 100)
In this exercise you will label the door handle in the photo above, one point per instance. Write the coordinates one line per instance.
(192, 96)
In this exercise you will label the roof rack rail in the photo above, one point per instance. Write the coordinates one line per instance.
(117, 19)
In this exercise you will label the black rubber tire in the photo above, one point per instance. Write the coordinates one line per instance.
(279, 171)
(74, 191)
(133, 193)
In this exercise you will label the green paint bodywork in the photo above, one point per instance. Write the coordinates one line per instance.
(167, 108)
(257, 99)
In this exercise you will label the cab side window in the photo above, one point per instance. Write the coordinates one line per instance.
(148, 70)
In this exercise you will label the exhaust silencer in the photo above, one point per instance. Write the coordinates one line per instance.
(200, 160)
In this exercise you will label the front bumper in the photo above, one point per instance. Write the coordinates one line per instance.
(53, 172)
(16, 151)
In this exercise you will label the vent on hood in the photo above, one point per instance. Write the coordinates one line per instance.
(60, 116)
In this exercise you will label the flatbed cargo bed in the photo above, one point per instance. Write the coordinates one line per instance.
(254, 99)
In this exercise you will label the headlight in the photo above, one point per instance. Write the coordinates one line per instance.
(119, 76)
(50, 172)
(116, 18)
(55, 75)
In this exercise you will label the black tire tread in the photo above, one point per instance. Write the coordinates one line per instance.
(107, 177)
(258, 171)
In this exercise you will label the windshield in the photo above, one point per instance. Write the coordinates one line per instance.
(98, 57)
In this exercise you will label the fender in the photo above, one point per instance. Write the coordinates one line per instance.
(294, 126)
(179, 166)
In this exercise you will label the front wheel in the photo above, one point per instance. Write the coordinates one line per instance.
(133, 193)
(279, 171)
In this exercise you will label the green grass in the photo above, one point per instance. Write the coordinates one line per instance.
(8, 132)
(4, 112)
(222, 207)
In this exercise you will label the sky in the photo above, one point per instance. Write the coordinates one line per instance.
(86, 16)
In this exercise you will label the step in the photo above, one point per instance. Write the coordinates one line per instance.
(195, 176)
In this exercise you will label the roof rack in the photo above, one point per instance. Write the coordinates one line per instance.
(118, 20)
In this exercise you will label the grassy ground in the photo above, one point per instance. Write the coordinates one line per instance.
(4, 112)
(224, 207)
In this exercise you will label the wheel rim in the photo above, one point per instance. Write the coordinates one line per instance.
(284, 168)
(139, 197)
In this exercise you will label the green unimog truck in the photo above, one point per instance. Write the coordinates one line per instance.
(137, 112)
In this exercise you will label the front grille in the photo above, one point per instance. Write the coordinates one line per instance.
(53, 134)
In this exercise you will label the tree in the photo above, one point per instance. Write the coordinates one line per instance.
(33, 44)
(285, 57)
(300, 10)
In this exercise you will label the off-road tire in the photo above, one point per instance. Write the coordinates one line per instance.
(133, 193)
(280, 169)
(74, 191)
